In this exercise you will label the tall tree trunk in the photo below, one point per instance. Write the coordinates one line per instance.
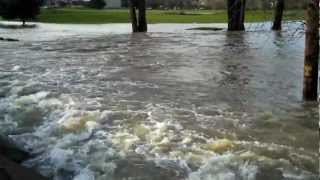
(277, 23)
(142, 16)
(133, 16)
(311, 61)
(236, 15)
(138, 15)
(23, 23)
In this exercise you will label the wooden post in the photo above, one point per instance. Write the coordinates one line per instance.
(139, 23)
(311, 61)
(236, 15)
(277, 23)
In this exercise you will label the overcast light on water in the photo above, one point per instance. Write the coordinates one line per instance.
(95, 102)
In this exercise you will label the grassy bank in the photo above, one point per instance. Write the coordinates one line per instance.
(90, 16)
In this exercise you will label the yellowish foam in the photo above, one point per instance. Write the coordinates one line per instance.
(220, 146)
(75, 124)
(141, 131)
(125, 140)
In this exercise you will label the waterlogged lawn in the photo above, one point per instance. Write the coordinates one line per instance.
(90, 16)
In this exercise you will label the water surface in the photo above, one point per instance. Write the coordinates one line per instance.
(96, 102)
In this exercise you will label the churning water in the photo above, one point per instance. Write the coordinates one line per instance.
(94, 102)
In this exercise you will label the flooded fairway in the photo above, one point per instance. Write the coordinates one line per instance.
(94, 102)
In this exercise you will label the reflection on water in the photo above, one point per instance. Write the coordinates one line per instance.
(95, 102)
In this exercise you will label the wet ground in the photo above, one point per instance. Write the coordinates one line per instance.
(96, 102)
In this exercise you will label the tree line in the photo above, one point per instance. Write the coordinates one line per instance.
(25, 10)
(216, 4)
(20, 9)
(256, 4)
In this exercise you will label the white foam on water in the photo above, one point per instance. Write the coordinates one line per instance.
(85, 174)
(219, 171)
(33, 98)
(75, 140)
(16, 68)
(59, 156)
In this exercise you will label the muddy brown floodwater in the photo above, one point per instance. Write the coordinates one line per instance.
(95, 102)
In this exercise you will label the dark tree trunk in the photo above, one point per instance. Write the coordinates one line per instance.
(23, 22)
(277, 23)
(142, 16)
(236, 15)
(311, 61)
(133, 16)
(138, 15)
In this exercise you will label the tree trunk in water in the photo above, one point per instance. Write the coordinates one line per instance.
(278, 15)
(311, 61)
(139, 22)
(236, 15)
(142, 16)
(133, 16)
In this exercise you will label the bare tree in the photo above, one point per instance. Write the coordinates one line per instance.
(311, 61)
(236, 15)
(138, 15)
(277, 23)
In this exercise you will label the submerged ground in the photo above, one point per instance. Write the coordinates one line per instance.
(97, 102)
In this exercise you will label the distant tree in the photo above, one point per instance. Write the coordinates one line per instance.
(266, 4)
(20, 9)
(215, 4)
(154, 4)
(125, 3)
(97, 4)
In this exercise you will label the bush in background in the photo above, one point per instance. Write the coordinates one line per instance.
(97, 4)
(23, 10)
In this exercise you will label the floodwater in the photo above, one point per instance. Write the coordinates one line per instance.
(95, 102)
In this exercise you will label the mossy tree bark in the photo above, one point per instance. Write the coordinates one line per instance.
(311, 61)
(236, 15)
(278, 15)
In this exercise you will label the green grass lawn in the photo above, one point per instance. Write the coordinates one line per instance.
(91, 16)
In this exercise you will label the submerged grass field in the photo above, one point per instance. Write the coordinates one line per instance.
(91, 16)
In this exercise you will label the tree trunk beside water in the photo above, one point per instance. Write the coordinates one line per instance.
(277, 23)
(138, 15)
(311, 61)
(23, 23)
(236, 15)
(133, 16)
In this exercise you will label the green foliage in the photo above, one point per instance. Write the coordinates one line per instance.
(19, 9)
(97, 4)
